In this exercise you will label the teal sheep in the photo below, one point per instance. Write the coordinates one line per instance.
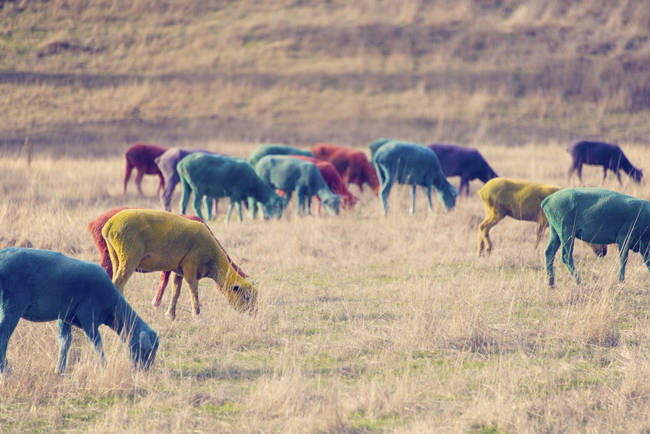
(375, 145)
(413, 164)
(264, 149)
(216, 176)
(289, 174)
(596, 216)
(42, 285)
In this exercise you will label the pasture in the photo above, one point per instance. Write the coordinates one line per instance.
(365, 323)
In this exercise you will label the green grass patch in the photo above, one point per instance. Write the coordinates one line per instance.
(225, 410)
(360, 421)
(485, 429)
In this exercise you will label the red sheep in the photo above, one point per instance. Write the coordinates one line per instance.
(353, 165)
(332, 179)
(95, 228)
(141, 156)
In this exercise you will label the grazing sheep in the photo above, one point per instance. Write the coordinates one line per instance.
(152, 240)
(264, 150)
(602, 154)
(468, 163)
(413, 164)
(332, 179)
(42, 285)
(520, 200)
(289, 174)
(167, 163)
(218, 176)
(141, 156)
(95, 228)
(353, 165)
(596, 215)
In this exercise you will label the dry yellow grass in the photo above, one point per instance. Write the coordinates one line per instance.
(366, 323)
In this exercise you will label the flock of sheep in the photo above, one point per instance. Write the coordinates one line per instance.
(41, 285)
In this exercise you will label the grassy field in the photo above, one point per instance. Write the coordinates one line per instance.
(366, 323)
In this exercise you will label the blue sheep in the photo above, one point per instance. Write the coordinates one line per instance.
(42, 285)
(413, 164)
(289, 174)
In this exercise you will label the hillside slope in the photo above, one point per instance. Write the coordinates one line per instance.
(82, 72)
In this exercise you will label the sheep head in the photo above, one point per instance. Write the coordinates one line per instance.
(240, 293)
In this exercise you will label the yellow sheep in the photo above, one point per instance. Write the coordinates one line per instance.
(520, 200)
(151, 240)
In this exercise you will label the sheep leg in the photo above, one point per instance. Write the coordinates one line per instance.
(187, 190)
(541, 225)
(484, 231)
(115, 262)
(386, 184)
(229, 212)
(8, 324)
(161, 183)
(207, 200)
(89, 325)
(464, 184)
(176, 292)
(197, 204)
(429, 198)
(193, 282)
(308, 198)
(138, 180)
(65, 337)
(164, 279)
(127, 174)
(413, 188)
(623, 242)
(300, 203)
(551, 249)
(241, 218)
(568, 241)
(125, 268)
(166, 196)
(252, 208)
(579, 171)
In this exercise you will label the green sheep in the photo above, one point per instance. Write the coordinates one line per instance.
(216, 176)
(597, 216)
(289, 174)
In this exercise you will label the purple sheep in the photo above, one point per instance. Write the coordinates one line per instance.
(468, 163)
(167, 163)
(602, 154)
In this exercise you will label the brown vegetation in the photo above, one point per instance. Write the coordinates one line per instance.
(365, 323)
(76, 72)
